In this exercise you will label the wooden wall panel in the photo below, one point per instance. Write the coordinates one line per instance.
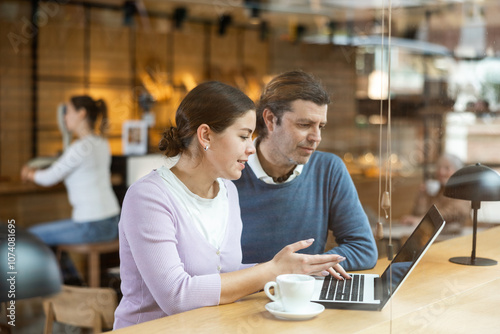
(109, 47)
(189, 54)
(61, 70)
(15, 84)
(155, 71)
(255, 63)
(61, 52)
(151, 45)
(256, 52)
(225, 58)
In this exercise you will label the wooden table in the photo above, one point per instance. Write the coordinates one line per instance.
(29, 204)
(438, 297)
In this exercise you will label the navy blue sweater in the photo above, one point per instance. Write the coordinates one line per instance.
(322, 197)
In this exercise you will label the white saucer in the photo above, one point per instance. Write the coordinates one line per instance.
(312, 310)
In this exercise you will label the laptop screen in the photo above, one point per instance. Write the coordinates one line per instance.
(411, 252)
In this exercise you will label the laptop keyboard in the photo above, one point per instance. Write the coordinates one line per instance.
(346, 290)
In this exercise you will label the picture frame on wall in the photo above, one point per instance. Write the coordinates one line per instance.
(135, 137)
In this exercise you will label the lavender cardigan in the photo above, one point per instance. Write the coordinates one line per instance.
(166, 265)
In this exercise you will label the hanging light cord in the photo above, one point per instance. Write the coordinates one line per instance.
(385, 165)
(380, 232)
(388, 179)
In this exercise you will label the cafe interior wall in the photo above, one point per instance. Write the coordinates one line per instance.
(84, 50)
(91, 51)
(96, 50)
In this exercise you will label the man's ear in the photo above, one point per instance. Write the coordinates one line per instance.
(269, 119)
(204, 135)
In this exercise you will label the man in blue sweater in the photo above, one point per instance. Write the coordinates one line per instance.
(291, 192)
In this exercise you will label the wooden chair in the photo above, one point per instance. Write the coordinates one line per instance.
(93, 252)
(82, 307)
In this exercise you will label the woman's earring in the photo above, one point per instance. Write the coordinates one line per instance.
(206, 148)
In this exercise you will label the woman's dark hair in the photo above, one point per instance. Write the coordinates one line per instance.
(213, 103)
(285, 88)
(94, 108)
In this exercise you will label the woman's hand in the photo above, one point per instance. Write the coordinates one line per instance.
(287, 261)
(237, 284)
(27, 173)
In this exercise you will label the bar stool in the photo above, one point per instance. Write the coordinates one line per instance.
(93, 252)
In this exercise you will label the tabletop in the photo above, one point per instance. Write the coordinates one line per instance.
(437, 297)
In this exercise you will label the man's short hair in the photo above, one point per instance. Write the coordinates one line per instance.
(285, 88)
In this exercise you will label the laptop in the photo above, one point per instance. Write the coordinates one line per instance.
(370, 291)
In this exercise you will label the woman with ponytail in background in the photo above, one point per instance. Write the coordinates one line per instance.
(85, 169)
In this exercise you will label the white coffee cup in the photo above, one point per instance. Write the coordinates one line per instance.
(432, 187)
(292, 291)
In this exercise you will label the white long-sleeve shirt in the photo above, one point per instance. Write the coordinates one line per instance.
(85, 169)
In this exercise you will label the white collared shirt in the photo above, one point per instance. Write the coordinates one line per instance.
(254, 163)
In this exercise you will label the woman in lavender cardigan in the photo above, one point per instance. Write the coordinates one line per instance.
(180, 225)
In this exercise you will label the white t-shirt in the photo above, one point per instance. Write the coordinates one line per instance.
(85, 169)
(209, 215)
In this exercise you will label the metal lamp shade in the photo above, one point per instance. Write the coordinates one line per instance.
(474, 183)
(28, 267)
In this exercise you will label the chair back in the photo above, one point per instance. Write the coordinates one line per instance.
(81, 307)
